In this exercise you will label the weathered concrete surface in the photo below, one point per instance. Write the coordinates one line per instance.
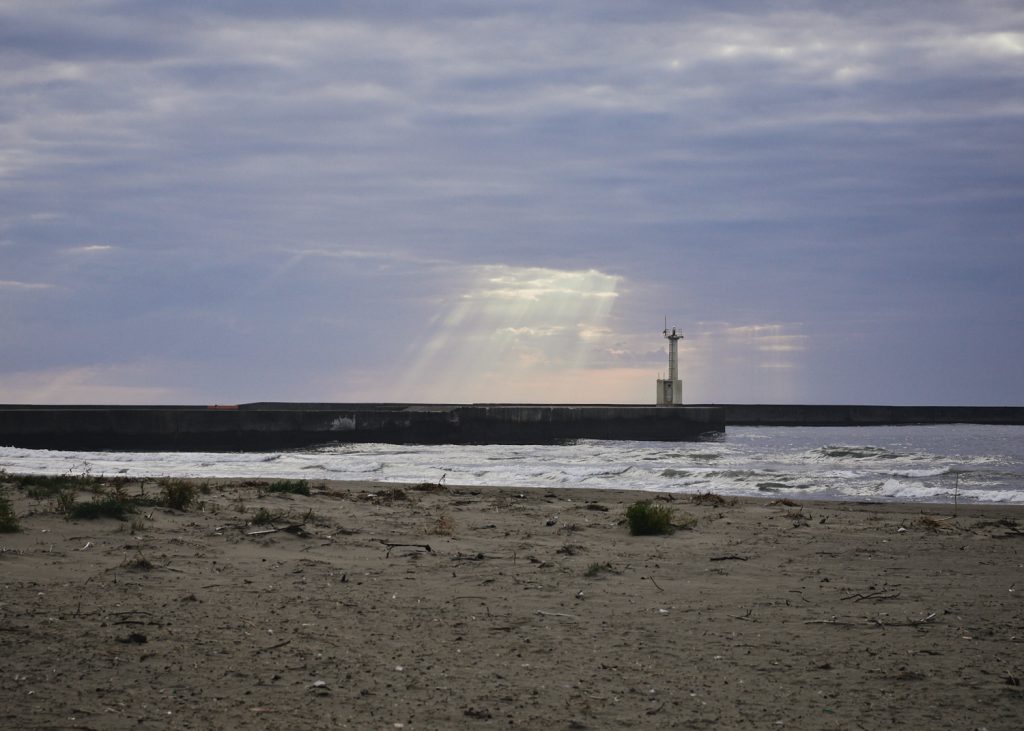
(852, 415)
(284, 426)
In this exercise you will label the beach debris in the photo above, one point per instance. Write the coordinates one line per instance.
(745, 617)
(88, 544)
(295, 529)
(271, 647)
(430, 486)
(596, 506)
(481, 599)
(319, 687)
(551, 521)
(460, 556)
(481, 714)
(830, 620)
(395, 494)
(135, 638)
(785, 501)
(140, 563)
(934, 524)
(875, 622)
(878, 595)
(655, 583)
(653, 711)
(542, 613)
(729, 557)
(390, 546)
(712, 499)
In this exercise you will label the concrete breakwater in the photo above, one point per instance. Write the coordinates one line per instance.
(863, 415)
(273, 426)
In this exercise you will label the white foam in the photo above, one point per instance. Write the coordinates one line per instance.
(904, 463)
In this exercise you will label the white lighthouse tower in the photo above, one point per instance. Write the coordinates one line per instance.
(670, 390)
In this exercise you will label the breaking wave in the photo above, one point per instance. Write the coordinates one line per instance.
(976, 463)
(841, 453)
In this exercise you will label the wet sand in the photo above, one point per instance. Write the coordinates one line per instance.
(368, 606)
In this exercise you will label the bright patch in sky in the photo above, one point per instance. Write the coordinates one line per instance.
(513, 334)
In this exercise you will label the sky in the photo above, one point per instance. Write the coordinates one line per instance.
(241, 200)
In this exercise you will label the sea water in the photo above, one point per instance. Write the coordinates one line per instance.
(971, 463)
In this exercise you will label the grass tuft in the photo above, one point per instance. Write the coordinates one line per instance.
(646, 519)
(291, 487)
(267, 517)
(110, 505)
(8, 520)
(42, 487)
(596, 569)
(178, 494)
(443, 526)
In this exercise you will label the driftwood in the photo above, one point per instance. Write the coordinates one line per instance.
(469, 557)
(296, 528)
(908, 623)
(554, 614)
(730, 557)
(880, 594)
(271, 647)
(746, 617)
(481, 599)
(876, 622)
(391, 546)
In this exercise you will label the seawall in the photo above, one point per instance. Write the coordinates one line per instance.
(862, 415)
(273, 426)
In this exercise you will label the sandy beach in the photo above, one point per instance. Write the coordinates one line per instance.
(372, 606)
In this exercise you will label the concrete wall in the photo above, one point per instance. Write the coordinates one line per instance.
(847, 415)
(283, 426)
(274, 426)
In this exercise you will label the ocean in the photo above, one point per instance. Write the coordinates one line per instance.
(939, 463)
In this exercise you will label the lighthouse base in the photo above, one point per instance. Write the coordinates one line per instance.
(670, 393)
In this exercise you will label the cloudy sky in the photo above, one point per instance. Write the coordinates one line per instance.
(218, 202)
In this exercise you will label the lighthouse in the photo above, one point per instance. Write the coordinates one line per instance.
(670, 390)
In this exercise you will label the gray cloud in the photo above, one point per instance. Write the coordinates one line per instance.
(297, 180)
